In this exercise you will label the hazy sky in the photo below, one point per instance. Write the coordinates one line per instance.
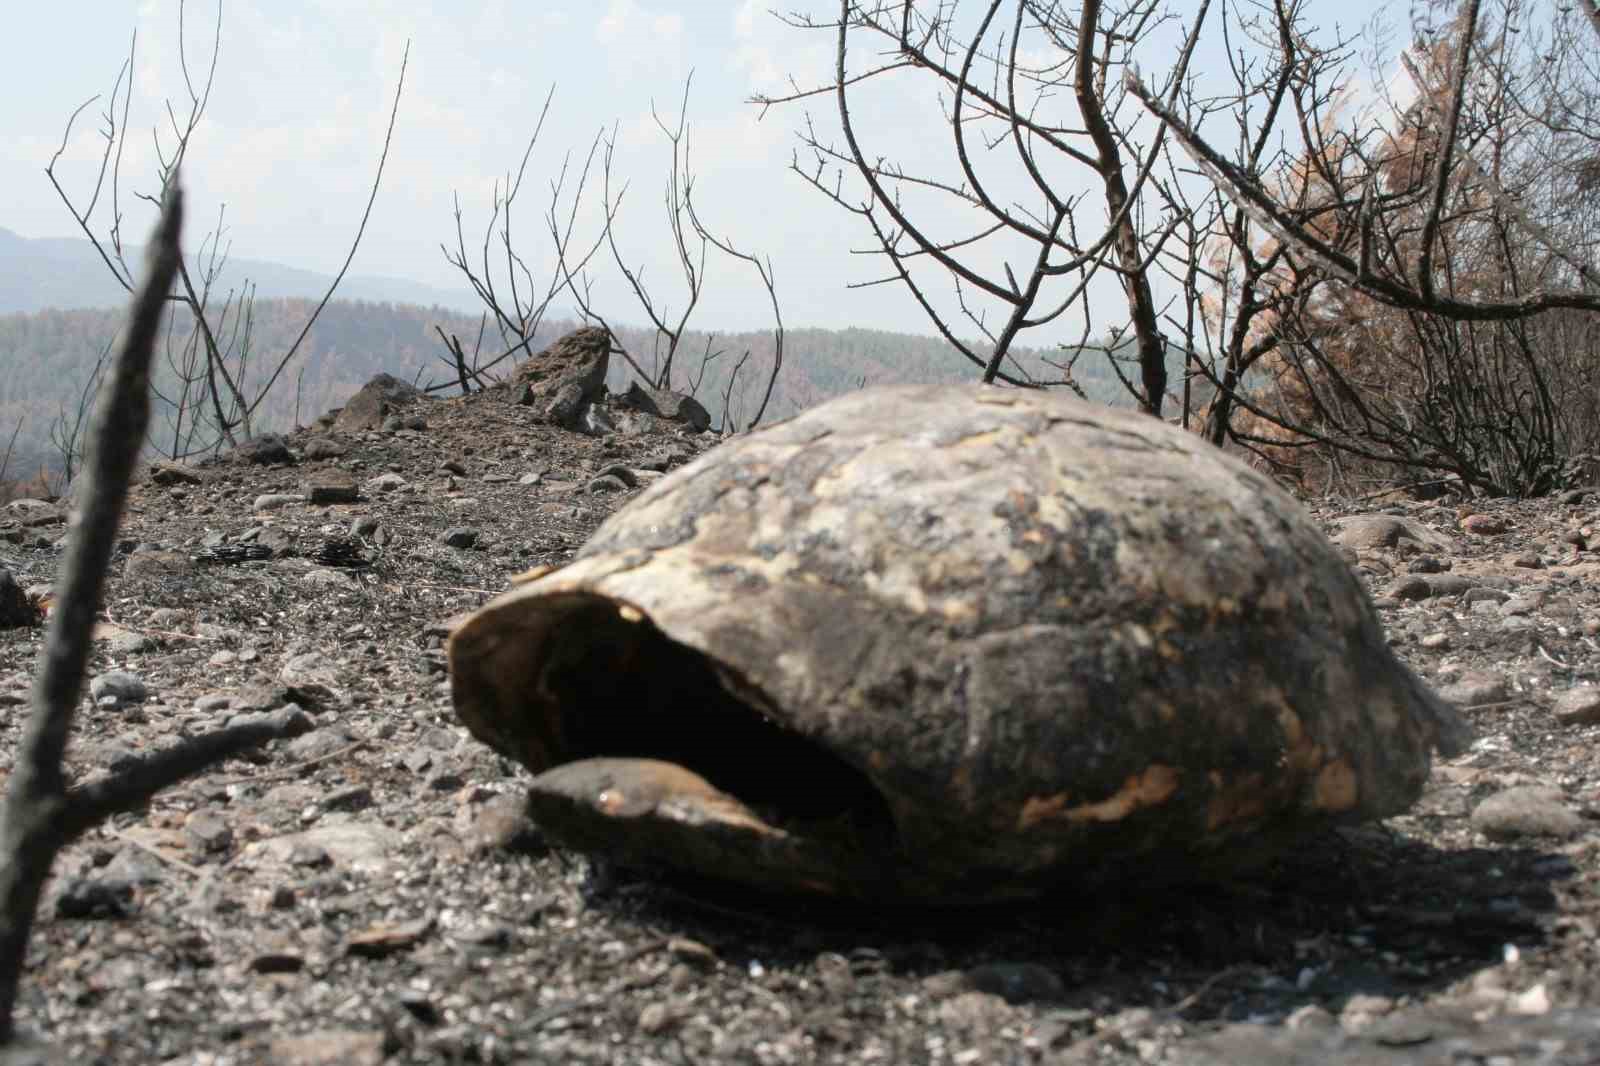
(303, 90)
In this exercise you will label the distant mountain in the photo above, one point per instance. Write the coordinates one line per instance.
(61, 272)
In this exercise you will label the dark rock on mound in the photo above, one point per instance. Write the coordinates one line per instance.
(374, 402)
(561, 381)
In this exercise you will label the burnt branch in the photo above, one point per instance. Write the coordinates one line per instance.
(1271, 215)
(36, 804)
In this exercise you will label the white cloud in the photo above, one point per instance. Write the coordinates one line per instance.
(641, 44)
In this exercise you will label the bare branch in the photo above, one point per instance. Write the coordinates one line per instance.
(1271, 216)
(36, 802)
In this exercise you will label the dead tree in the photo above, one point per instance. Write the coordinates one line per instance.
(1045, 205)
(692, 242)
(1451, 269)
(513, 299)
(516, 302)
(1412, 283)
(221, 387)
(1234, 281)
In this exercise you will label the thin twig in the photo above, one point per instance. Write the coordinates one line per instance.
(291, 772)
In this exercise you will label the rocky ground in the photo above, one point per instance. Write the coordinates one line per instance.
(369, 891)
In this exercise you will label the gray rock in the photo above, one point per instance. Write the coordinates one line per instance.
(621, 473)
(310, 669)
(130, 644)
(597, 421)
(318, 744)
(261, 695)
(157, 564)
(1387, 531)
(1523, 604)
(358, 845)
(277, 540)
(1526, 811)
(269, 449)
(326, 577)
(1578, 706)
(290, 721)
(208, 831)
(325, 1047)
(322, 448)
(377, 400)
(1425, 1037)
(565, 378)
(172, 474)
(673, 406)
(1475, 689)
(272, 501)
(351, 798)
(120, 687)
(330, 486)
(136, 866)
(386, 483)
(1484, 525)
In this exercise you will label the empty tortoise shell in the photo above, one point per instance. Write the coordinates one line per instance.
(950, 644)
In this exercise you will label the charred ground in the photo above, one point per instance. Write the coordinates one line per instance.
(370, 891)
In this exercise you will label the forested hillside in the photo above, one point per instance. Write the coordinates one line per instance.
(46, 357)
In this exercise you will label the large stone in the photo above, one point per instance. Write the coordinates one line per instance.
(566, 377)
(330, 486)
(375, 401)
(1386, 531)
(673, 406)
(1526, 811)
(269, 449)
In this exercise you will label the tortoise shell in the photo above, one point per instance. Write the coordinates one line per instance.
(950, 644)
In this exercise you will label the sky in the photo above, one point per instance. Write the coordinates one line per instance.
(290, 139)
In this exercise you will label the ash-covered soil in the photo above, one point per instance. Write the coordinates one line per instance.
(369, 890)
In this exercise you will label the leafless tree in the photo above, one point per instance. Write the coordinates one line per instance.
(692, 242)
(517, 303)
(11, 443)
(1450, 248)
(513, 299)
(230, 392)
(1415, 281)
(1232, 283)
(1010, 224)
(66, 432)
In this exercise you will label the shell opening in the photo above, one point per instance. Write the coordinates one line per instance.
(608, 683)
